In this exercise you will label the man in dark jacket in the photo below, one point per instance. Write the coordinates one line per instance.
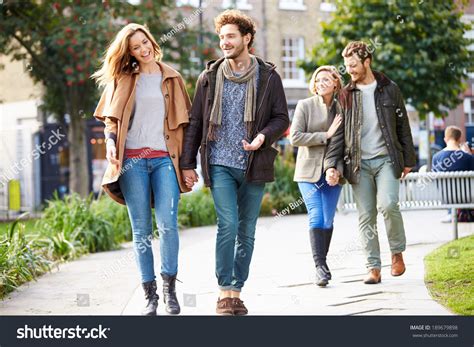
(238, 111)
(376, 147)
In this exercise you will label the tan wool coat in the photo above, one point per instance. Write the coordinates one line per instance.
(115, 110)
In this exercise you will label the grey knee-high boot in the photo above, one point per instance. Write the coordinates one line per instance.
(318, 247)
(327, 242)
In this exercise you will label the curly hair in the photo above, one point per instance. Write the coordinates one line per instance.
(245, 24)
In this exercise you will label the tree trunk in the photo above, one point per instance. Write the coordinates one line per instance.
(78, 159)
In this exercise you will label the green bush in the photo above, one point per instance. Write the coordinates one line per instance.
(73, 226)
(68, 229)
(283, 191)
(116, 215)
(196, 209)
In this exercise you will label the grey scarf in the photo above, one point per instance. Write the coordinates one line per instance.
(249, 77)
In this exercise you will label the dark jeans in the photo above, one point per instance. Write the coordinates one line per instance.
(237, 204)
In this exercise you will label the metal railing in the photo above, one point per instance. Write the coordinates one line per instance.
(427, 191)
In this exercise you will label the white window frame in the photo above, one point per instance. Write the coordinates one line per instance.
(193, 3)
(239, 4)
(469, 110)
(327, 6)
(469, 18)
(300, 81)
(292, 5)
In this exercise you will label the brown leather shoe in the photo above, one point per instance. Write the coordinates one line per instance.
(239, 307)
(373, 277)
(398, 266)
(225, 307)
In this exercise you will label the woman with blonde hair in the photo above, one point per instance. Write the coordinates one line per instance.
(315, 121)
(145, 107)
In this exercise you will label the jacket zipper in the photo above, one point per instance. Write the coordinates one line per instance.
(206, 154)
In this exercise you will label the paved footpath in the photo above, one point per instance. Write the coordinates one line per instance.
(281, 276)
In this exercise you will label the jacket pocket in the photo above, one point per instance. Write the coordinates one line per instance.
(261, 169)
(306, 168)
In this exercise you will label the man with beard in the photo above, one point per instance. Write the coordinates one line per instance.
(238, 111)
(376, 147)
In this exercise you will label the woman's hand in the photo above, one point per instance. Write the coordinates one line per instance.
(335, 124)
(111, 152)
(189, 177)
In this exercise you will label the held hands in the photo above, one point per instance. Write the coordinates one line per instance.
(332, 176)
(111, 152)
(256, 143)
(335, 124)
(189, 177)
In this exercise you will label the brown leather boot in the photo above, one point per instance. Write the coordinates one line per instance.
(225, 307)
(239, 307)
(398, 266)
(373, 277)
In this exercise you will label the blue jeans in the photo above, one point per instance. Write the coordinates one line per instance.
(321, 201)
(141, 178)
(237, 204)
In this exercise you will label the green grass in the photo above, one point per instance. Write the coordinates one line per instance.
(450, 275)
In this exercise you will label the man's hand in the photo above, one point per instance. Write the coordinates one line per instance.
(332, 176)
(189, 177)
(406, 170)
(256, 143)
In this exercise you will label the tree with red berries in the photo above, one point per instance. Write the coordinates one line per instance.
(62, 43)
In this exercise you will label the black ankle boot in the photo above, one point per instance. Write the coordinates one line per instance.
(327, 243)
(318, 247)
(169, 294)
(152, 298)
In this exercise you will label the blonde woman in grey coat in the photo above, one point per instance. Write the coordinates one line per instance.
(314, 123)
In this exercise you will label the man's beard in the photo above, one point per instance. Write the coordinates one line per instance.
(360, 77)
(237, 51)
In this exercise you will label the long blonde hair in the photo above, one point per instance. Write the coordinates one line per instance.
(117, 58)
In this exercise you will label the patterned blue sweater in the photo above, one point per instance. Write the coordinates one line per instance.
(227, 150)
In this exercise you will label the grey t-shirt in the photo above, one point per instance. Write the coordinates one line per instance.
(372, 142)
(148, 115)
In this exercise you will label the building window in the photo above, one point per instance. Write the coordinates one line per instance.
(469, 110)
(293, 5)
(193, 3)
(469, 19)
(292, 51)
(239, 4)
(327, 6)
